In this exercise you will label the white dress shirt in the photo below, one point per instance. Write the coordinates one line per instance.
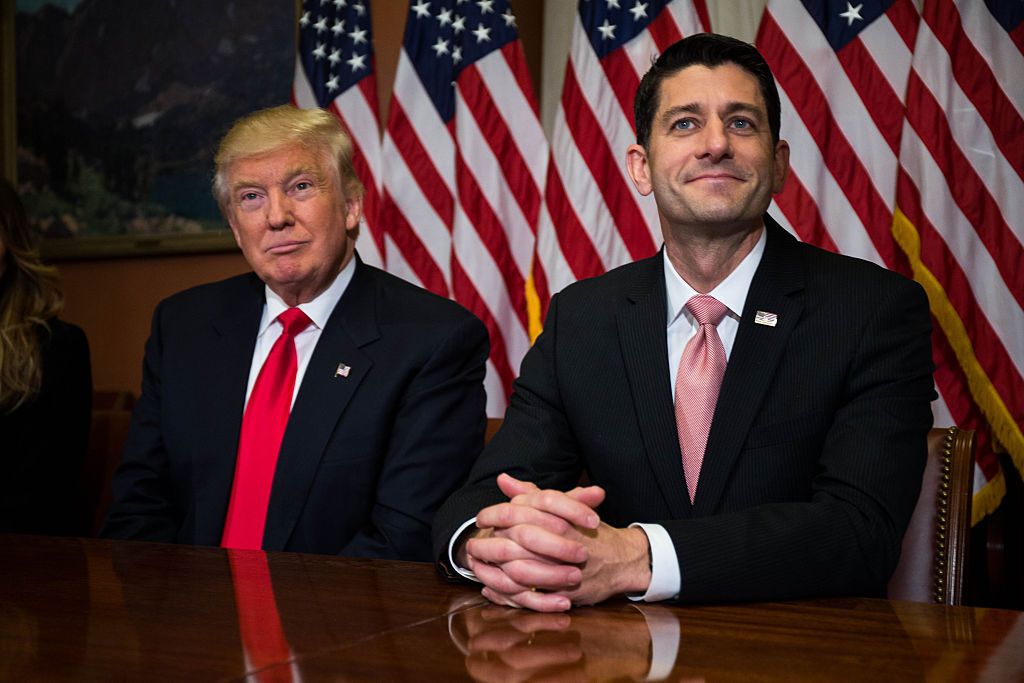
(318, 310)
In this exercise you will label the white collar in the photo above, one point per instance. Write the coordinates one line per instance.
(319, 309)
(732, 291)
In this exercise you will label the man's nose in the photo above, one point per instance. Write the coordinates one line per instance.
(279, 210)
(717, 144)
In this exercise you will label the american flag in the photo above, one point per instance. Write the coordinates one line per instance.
(334, 70)
(846, 83)
(464, 163)
(960, 216)
(593, 218)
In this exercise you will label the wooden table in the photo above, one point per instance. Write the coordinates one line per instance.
(78, 609)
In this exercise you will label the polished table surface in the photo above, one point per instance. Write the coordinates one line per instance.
(79, 609)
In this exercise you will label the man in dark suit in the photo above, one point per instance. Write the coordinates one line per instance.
(806, 475)
(383, 399)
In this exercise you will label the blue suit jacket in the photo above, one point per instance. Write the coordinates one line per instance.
(366, 460)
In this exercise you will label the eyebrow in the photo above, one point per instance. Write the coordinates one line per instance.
(288, 177)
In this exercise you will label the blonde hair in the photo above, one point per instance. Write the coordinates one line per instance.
(29, 297)
(267, 130)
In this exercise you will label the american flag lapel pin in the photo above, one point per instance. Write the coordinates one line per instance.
(766, 318)
(342, 370)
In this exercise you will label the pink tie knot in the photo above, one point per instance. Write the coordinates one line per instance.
(294, 321)
(707, 309)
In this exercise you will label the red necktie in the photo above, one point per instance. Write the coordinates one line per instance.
(701, 368)
(258, 619)
(263, 425)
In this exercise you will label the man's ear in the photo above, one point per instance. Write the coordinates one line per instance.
(639, 169)
(781, 166)
(353, 212)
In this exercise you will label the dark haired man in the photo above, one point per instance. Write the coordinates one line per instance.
(751, 411)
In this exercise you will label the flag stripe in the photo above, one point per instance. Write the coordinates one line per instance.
(839, 156)
(796, 202)
(945, 265)
(989, 100)
(604, 167)
(494, 130)
(968, 190)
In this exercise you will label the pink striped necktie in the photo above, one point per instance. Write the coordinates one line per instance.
(263, 425)
(701, 368)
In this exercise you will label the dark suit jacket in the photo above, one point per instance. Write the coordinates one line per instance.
(817, 447)
(366, 459)
(43, 442)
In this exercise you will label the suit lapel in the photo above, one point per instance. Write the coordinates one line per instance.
(322, 399)
(641, 324)
(227, 367)
(755, 355)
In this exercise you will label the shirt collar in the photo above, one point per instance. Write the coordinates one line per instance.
(319, 309)
(732, 291)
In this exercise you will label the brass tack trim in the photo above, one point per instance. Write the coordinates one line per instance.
(942, 518)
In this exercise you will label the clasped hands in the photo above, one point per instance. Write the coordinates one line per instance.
(547, 550)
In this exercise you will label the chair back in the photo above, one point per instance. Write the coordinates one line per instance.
(934, 558)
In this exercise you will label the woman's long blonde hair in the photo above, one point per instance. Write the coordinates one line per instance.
(29, 297)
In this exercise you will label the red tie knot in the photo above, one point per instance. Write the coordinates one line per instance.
(707, 309)
(294, 321)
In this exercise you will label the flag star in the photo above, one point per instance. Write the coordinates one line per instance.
(358, 35)
(607, 30)
(852, 14)
(304, 21)
(324, 2)
(357, 61)
(481, 33)
(320, 25)
(360, 8)
(639, 10)
(485, 6)
(459, 25)
(444, 17)
(332, 83)
(340, 3)
(339, 27)
(613, 4)
(422, 9)
(456, 54)
(321, 51)
(510, 19)
(440, 47)
(335, 57)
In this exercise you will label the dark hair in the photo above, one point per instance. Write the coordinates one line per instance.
(710, 50)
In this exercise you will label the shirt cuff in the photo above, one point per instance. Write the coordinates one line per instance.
(665, 576)
(465, 573)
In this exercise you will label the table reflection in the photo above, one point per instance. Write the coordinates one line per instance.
(74, 609)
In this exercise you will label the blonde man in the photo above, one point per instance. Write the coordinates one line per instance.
(385, 379)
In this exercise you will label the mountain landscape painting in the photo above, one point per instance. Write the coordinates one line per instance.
(121, 104)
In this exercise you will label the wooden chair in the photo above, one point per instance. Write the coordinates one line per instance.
(111, 416)
(934, 559)
(493, 425)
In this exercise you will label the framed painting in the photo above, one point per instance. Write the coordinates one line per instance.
(119, 109)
